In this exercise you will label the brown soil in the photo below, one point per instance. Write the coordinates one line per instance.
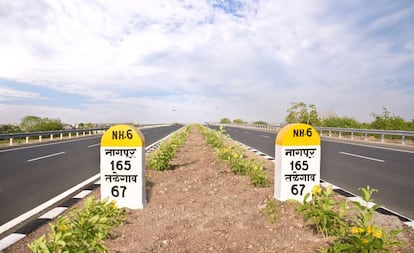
(201, 206)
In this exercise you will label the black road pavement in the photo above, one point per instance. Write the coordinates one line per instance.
(31, 175)
(351, 166)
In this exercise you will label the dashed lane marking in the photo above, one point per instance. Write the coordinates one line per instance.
(363, 157)
(46, 156)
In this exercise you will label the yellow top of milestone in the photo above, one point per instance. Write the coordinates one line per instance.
(298, 134)
(122, 136)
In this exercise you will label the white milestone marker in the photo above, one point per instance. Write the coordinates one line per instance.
(123, 167)
(297, 161)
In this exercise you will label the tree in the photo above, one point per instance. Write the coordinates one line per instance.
(260, 122)
(300, 112)
(47, 124)
(10, 129)
(225, 121)
(29, 123)
(336, 121)
(88, 125)
(34, 123)
(387, 121)
(239, 121)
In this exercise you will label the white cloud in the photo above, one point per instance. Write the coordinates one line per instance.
(249, 63)
(7, 94)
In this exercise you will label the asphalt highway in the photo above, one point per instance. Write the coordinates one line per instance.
(32, 175)
(351, 166)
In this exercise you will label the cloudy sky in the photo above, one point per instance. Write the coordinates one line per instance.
(195, 61)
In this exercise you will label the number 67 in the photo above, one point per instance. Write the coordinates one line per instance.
(297, 189)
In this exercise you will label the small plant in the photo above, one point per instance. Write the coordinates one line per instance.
(327, 215)
(258, 176)
(272, 210)
(84, 230)
(234, 155)
(363, 235)
(160, 159)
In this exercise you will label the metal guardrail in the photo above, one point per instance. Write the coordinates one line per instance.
(340, 132)
(51, 134)
(365, 132)
(60, 133)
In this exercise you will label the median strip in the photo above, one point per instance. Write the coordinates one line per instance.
(46, 156)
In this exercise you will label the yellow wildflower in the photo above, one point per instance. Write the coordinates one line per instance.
(63, 227)
(357, 230)
(364, 240)
(377, 234)
(113, 204)
(371, 229)
(316, 190)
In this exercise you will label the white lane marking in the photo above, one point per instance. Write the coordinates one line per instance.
(47, 144)
(46, 156)
(371, 146)
(410, 223)
(12, 223)
(265, 136)
(361, 201)
(10, 239)
(53, 213)
(82, 194)
(363, 157)
(93, 145)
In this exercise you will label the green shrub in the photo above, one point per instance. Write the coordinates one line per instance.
(160, 159)
(322, 211)
(234, 155)
(84, 230)
(364, 235)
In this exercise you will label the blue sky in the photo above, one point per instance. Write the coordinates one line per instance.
(196, 61)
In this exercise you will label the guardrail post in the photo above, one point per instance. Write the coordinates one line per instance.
(70, 135)
(11, 142)
(77, 134)
(403, 139)
(51, 137)
(40, 138)
(366, 136)
(352, 135)
(330, 133)
(61, 136)
(340, 134)
(27, 139)
(83, 133)
(382, 138)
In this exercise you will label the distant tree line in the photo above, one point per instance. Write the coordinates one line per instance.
(35, 124)
(32, 123)
(300, 112)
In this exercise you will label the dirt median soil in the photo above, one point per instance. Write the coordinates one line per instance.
(201, 206)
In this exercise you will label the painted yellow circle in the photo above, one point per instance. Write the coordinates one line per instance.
(298, 134)
(122, 136)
